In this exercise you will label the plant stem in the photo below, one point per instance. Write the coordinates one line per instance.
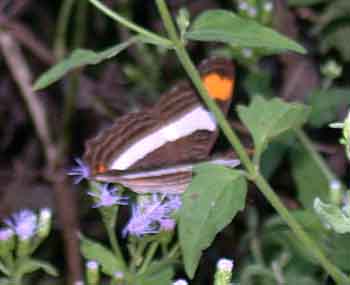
(115, 246)
(259, 180)
(149, 256)
(62, 24)
(307, 143)
(125, 22)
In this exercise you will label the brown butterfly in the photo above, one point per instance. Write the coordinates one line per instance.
(155, 150)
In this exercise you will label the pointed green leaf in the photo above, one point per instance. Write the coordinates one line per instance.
(3, 269)
(212, 200)
(30, 265)
(333, 216)
(325, 104)
(93, 250)
(226, 27)
(308, 176)
(79, 58)
(267, 119)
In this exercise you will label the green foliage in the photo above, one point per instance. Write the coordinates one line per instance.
(335, 28)
(258, 84)
(303, 3)
(30, 265)
(226, 27)
(333, 216)
(275, 231)
(93, 250)
(79, 58)
(325, 104)
(308, 176)
(157, 273)
(210, 203)
(267, 119)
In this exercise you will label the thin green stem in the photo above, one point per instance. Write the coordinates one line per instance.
(149, 256)
(62, 24)
(259, 180)
(73, 83)
(307, 143)
(125, 22)
(115, 246)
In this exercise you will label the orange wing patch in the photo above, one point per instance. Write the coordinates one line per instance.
(101, 168)
(219, 87)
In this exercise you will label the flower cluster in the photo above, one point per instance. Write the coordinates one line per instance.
(107, 197)
(23, 223)
(152, 215)
(24, 232)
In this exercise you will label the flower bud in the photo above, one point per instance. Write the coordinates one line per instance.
(266, 12)
(332, 69)
(223, 272)
(180, 282)
(92, 272)
(183, 20)
(118, 278)
(44, 223)
(336, 193)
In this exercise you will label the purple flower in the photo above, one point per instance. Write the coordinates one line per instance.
(81, 171)
(108, 197)
(23, 223)
(6, 234)
(152, 215)
(167, 225)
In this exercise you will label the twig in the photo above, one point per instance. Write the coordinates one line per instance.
(26, 38)
(21, 74)
(64, 198)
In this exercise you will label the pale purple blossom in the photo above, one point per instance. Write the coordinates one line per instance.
(167, 224)
(180, 282)
(225, 264)
(6, 234)
(152, 215)
(92, 265)
(118, 275)
(108, 197)
(23, 223)
(81, 171)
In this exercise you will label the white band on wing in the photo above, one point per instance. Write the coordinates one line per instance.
(197, 119)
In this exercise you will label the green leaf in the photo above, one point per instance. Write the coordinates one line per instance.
(337, 39)
(267, 119)
(31, 265)
(304, 3)
(325, 104)
(332, 216)
(4, 281)
(79, 58)
(226, 27)
(335, 246)
(93, 250)
(157, 273)
(212, 200)
(258, 84)
(308, 176)
(3, 269)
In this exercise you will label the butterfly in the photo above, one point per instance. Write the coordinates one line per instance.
(155, 150)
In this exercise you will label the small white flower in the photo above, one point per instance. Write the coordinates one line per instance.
(225, 264)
